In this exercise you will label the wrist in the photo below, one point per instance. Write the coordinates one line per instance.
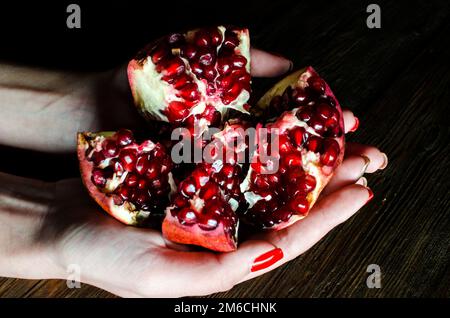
(25, 252)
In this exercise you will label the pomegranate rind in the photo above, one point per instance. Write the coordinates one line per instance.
(287, 120)
(121, 213)
(216, 240)
(152, 95)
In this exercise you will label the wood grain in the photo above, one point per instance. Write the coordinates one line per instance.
(396, 80)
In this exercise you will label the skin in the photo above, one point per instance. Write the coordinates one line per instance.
(45, 227)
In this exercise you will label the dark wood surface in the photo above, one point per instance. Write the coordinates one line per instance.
(397, 81)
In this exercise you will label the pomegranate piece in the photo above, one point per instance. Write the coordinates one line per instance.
(176, 77)
(311, 146)
(132, 182)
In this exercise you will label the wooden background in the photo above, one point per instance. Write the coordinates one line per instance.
(397, 81)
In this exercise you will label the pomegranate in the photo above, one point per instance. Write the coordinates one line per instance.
(202, 212)
(129, 180)
(311, 146)
(193, 78)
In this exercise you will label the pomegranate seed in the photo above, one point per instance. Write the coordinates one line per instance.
(127, 158)
(216, 119)
(124, 193)
(131, 180)
(117, 167)
(98, 178)
(200, 177)
(142, 164)
(317, 124)
(196, 68)
(314, 144)
(324, 111)
(159, 53)
(331, 152)
(273, 179)
(293, 159)
(142, 184)
(202, 38)
(187, 187)
(210, 89)
(243, 77)
(299, 205)
(98, 157)
(227, 170)
(261, 183)
(181, 81)
(180, 201)
(110, 148)
(187, 216)
(207, 57)
(140, 197)
(174, 67)
(316, 84)
(231, 40)
(208, 223)
(209, 73)
(281, 215)
(175, 39)
(216, 36)
(297, 136)
(188, 51)
(209, 191)
(308, 183)
(224, 65)
(239, 61)
(224, 81)
(190, 92)
(124, 137)
(295, 174)
(177, 111)
(300, 97)
(285, 145)
(304, 115)
(234, 90)
(325, 99)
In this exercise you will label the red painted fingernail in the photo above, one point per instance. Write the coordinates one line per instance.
(370, 195)
(356, 125)
(267, 259)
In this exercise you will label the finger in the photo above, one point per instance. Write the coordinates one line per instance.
(200, 273)
(378, 159)
(351, 122)
(264, 64)
(351, 169)
(331, 211)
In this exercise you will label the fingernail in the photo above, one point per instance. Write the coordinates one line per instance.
(362, 181)
(356, 125)
(291, 66)
(267, 259)
(366, 164)
(385, 162)
(370, 194)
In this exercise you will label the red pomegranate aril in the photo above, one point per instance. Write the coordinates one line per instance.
(224, 65)
(299, 205)
(142, 164)
(98, 178)
(227, 170)
(188, 51)
(127, 158)
(142, 184)
(209, 191)
(300, 97)
(330, 152)
(208, 223)
(190, 92)
(117, 167)
(283, 214)
(173, 67)
(182, 81)
(124, 137)
(308, 183)
(202, 38)
(175, 39)
(97, 157)
(314, 144)
(110, 148)
(231, 40)
(196, 68)
(284, 144)
(125, 193)
(317, 124)
(200, 177)
(304, 115)
(187, 188)
(324, 111)
(187, 216)
(140, 198)
(159, 53)
(177, 111)
(293, 159)
(224, 81)
(239, 61)
(297, 136)
(316, 84)
(207, 57)
(216, 36)
(209, 73)
(131, 180)
(261, 182)
(234, 90)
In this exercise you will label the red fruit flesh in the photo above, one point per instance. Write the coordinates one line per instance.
(311, 146)
(130, 181)
(179, 76)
